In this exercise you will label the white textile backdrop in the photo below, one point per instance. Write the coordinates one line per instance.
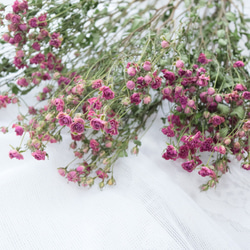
(155, 204)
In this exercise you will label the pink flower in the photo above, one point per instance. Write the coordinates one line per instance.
(18, 38)
(189, 165)
(156, 83)
(97, 124)
(135, 98)
(147, 100)
(164, 44)
(36, 46)
(39, 155)
(72, 176)
(18, 129)
(131, 71)
(16, 19)
(179, 64)
(22, 82)
(183, 151)
(23, 26)
(210, 91)
(205, 172)
(15, 154)
(168, 131)
(97, 84)
(238, 64)
(33, 22)
(61, 171)
(112, 127)
(148, 79)
(107, 93)
(246, 95)
(217, 120)
(130, 85)
(94, 145)
(101, 174)
(203, 60)
(218, 98)
(171, 153)
(240, 87)
(64, 119)
(147, 66)
(77, 127)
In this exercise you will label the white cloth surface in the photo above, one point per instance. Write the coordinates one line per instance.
(155, 204)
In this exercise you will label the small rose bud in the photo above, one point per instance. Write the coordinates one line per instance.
(218, 98)
(73, 145)
(148, 79)
(108, 144)
(130, 85)
(210, 91)
(237, 145)
(135, 150)
(164, 44)
(101, 184)
(131, 71)
(147, 100)
(147, 66)
(227, 141)
(179, 64)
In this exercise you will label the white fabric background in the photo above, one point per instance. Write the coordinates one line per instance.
(155, 204)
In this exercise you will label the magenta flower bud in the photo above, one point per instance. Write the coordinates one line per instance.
(23, 27)
(164, 44)
(178, 108)
(147, 66)
(218, 98)
(210, 99)
(131, 71)
(202, 95)
(179, 64)
(192, 89)
(147, 79)
(130, 85)
(168, 91)
(210, 91)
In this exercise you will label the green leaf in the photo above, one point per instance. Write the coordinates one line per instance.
(223, 132)
(15, 89)
(136, 142)
(239, 111)
(224, 109)
(123, 154)
(222, 42)
(230, 16)
(221, 33)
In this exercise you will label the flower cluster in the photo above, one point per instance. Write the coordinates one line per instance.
(205, 119)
